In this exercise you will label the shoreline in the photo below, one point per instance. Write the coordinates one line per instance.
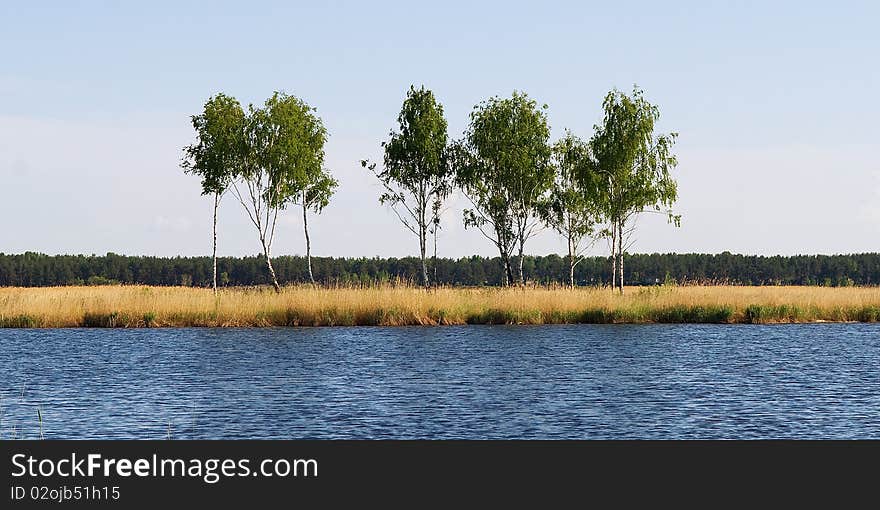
(426, 326)
(302, 306)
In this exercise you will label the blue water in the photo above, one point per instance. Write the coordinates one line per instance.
(612, 381)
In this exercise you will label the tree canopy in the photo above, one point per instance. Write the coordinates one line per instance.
(517, 182)
(283, 154)
(35, 269)
(504, 169)
(635, 163)
(216, 156)
(415, 173)
(573, 205)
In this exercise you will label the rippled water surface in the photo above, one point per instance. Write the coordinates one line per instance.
(614, 381)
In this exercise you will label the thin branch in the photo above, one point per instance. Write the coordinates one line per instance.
(274, 221)
(404, 221)
(237, 194)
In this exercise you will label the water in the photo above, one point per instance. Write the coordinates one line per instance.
(613, 381)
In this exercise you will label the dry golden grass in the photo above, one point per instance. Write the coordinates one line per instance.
(140, 306)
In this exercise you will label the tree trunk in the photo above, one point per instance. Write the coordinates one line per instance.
(522, 280)
(570, 264)
(308, 242)
(436, 283)
(505, 261)
(214, 253)
(271, 269)
(613, 256)
(620, 252)
(423, 234)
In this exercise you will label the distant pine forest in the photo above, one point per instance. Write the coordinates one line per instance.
(39, 270)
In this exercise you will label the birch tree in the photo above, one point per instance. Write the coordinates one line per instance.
(573, 205)
(504, 171)
(315, 197)
(415, 174)
(490, 211)
(283, 144)
(635, 166)
(216, 156)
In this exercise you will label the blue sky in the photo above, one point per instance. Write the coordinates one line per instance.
(775, 103)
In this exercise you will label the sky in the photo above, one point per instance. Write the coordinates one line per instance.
(776, 105)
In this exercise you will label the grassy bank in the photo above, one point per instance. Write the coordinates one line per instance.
(139, 306)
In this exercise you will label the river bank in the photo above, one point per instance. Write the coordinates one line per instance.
(142, 306)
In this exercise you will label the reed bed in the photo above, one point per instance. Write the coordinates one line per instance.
(142, 306)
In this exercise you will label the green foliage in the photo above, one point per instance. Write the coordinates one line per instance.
(635, 162)
(869, 314)
(635, 165)
(503, 167)
(572, 207)
(284, 150)
(20, 321)
(216, 156)
(100, 280)
(318, 191)
(278, 159)
(415, 161)
(416, 174)
(38, 270)
(761, 314)
(289, 145)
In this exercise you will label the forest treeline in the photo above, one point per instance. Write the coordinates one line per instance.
(34, 270)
